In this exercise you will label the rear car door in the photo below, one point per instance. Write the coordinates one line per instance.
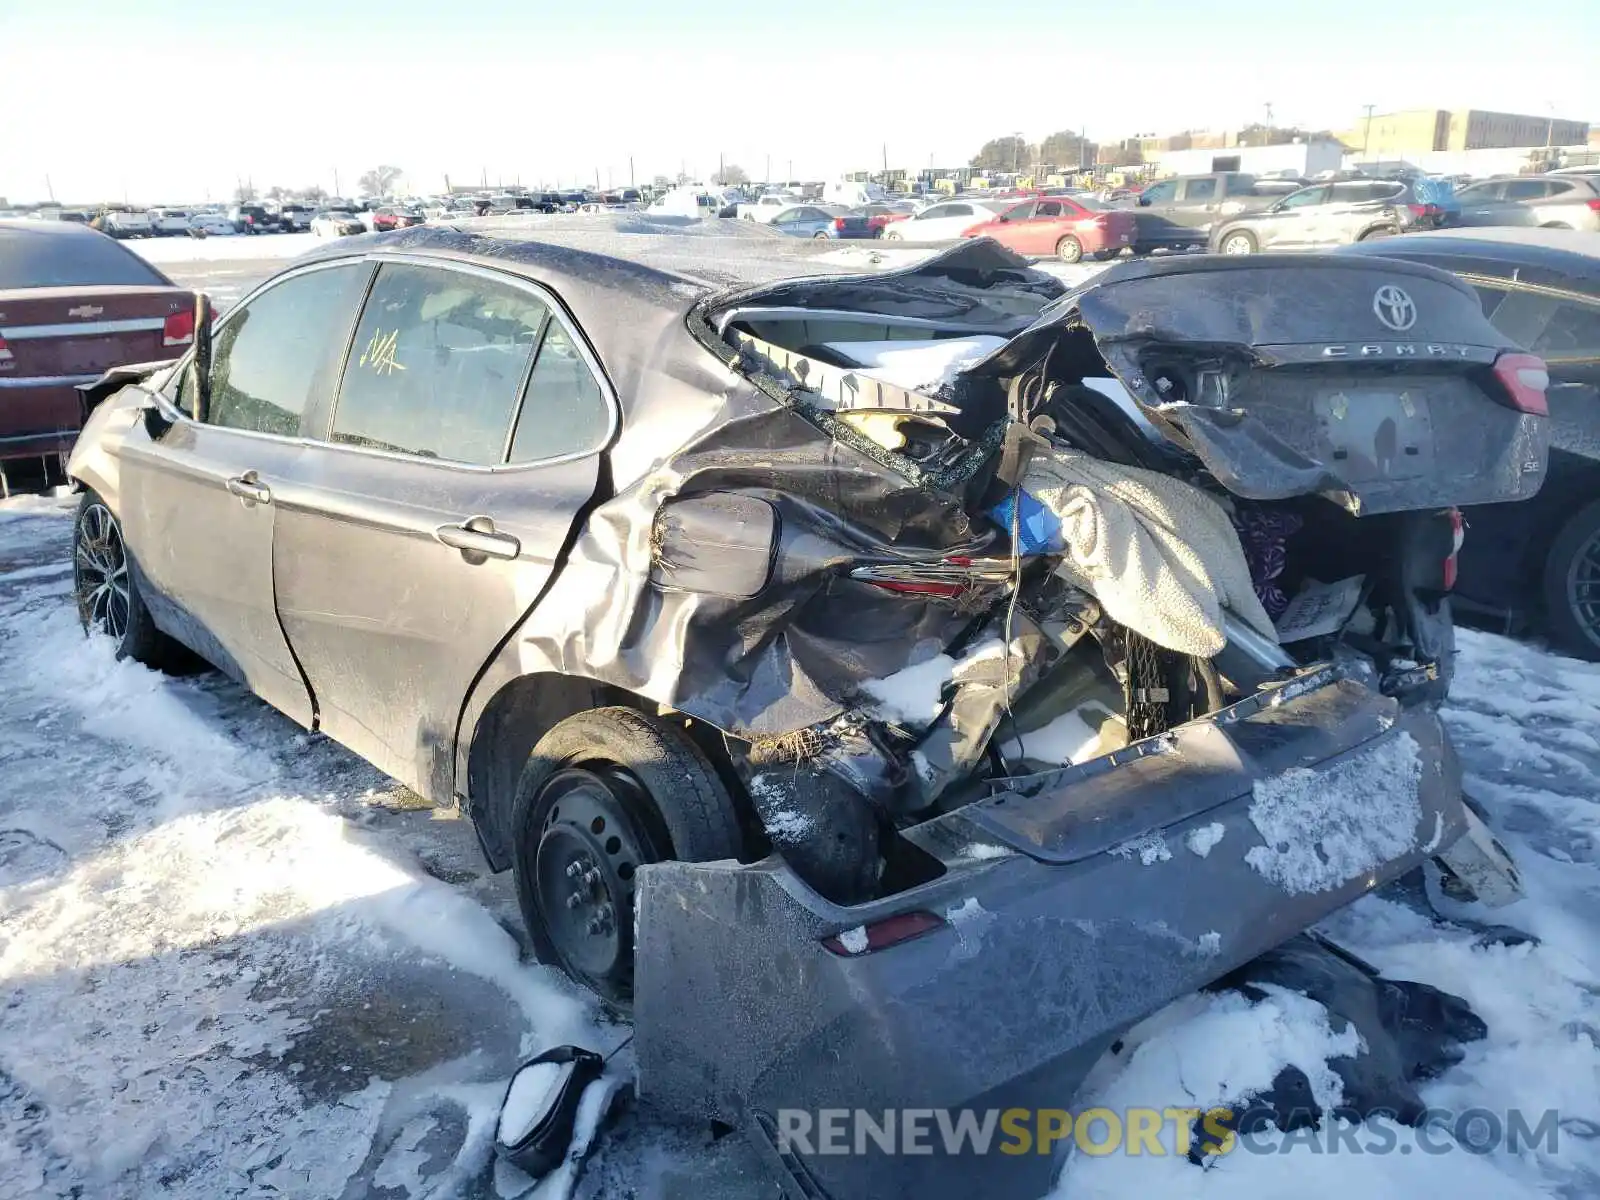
(1292, 224)
(1198, 200)
(463, 442)
(1483, 203)
(199, 500)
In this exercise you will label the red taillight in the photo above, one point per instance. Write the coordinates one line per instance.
(1525, 378)
(1458, 535)
(1594, 204)
(920, 589)
(178, 328)
(838, 223)
(880, 935)
(5, 351)
(1417, 210)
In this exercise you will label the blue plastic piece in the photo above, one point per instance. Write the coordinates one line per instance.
(1038, 532)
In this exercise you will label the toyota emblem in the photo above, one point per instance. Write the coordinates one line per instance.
(1394, 308)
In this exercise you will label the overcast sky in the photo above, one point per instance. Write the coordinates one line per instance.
(176, 100)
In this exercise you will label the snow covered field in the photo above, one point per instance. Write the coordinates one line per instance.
(237, 962)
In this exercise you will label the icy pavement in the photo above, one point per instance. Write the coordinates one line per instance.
(237, 962)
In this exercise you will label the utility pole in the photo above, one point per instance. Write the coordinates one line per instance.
(1366, 136)
(49, 189)
(886, 162)
(767, 178)
(632, 182)
(791, 170)
(338, 192)
(722, 168)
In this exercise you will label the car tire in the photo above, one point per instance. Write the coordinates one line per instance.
(1555, 225)
(604, 792)
(819, 234)
(894, 236)
(1381, 231)
(106, 587)
(1238, 242)
(1573, 564)
(1069, 250)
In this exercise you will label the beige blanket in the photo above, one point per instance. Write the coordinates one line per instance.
(1160, 555)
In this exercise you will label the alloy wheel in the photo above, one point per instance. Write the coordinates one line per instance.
(100, 573)
(1583, 587)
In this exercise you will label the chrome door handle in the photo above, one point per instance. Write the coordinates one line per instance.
(249, 487)
(477, 535)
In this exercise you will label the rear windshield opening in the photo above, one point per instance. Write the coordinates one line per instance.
(49, 258)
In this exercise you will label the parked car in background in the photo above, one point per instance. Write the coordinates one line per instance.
(881, 216)
(252, 218)
(1537, 562)
(1178, 213)
(822, 221)
(210, 224)
(1557, 201)
(941, 222)
(393, 216)
(73, 303)
(169, 222)
(767, 206)
(1068, 229)
(334, 222)
(1328, 214)
(686, 201)
(295, 218)
(127, 223)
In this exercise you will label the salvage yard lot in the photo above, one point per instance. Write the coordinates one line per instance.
(240, 962)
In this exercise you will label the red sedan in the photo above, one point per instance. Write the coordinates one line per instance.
(73, 302)
(1068, 228)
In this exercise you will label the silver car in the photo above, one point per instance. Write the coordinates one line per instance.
(1549, 201)
(1325, 215)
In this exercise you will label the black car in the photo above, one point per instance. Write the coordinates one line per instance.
(1536, 563)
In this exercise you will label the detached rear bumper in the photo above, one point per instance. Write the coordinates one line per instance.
(1119, 887)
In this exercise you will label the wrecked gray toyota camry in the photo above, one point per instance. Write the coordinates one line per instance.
(932, 671)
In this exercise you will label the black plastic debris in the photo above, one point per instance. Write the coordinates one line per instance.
(540, 1108)
(1409, 1031)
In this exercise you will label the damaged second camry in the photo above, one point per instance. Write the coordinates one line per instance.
(889, 684)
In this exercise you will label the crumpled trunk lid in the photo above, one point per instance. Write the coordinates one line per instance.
(1368, 381)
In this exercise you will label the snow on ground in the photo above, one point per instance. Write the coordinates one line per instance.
(237, 962)
(223, 249)
(230, 964)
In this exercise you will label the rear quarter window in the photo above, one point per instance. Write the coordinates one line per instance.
(49, 258)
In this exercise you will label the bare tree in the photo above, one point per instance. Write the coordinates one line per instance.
(243, 194)
(379, 180)
(277, 193)
(731, 175)
(314, 194)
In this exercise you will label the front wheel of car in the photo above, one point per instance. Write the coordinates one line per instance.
(107, 589)
(1239, 242)
(1069, 249)
(1572, 584)
(604, 793)
(1382, 231)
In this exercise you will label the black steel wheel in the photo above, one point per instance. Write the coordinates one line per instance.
(1572, 584)
(604, 793)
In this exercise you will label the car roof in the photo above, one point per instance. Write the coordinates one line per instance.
(1571, 250)
(56, 228)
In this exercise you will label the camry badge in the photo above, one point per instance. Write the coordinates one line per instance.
(1394, 308)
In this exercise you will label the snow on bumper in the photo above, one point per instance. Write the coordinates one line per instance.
(1103, 911)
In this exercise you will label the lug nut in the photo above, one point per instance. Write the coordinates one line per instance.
(574, 870)
(574, 900)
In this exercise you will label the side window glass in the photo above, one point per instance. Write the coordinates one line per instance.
(1157, 193)
(1318, 195)
(436, 365)
(1049, 208)
(563, 409)
(1525, 189)
(1200, 189)
(1572, 336)
(268, 357)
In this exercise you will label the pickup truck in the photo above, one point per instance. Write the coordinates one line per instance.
(1177, 214)
(127, 223)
